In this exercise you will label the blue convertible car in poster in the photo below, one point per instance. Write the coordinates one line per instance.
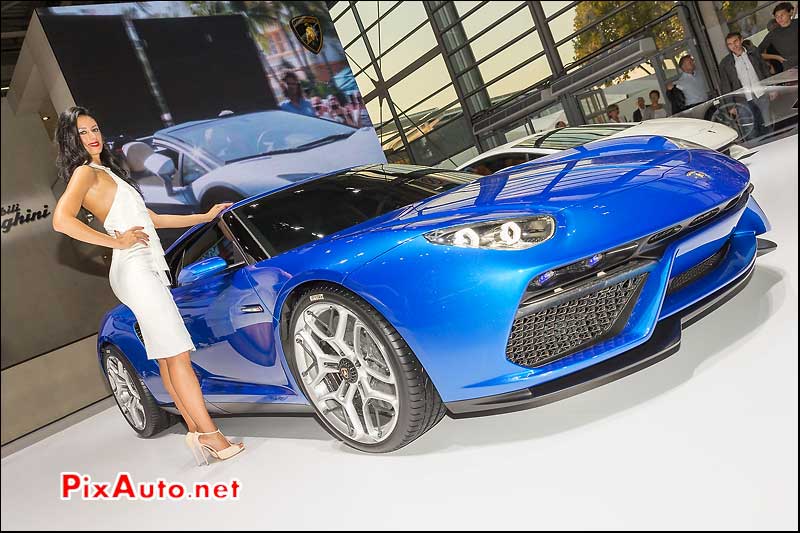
(383, 297)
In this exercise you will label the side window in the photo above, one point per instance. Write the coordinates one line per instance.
(493, 164)
(213, 243)
(191, 170)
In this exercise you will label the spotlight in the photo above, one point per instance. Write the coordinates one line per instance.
(544, 278)
(592, 261)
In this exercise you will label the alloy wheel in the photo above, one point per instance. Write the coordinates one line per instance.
(125, 392)
(346, 372)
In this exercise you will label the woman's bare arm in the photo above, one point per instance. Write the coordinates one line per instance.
(177, 221)
(65, 213)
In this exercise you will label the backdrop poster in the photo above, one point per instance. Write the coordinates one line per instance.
(206, 102)
(215, 101)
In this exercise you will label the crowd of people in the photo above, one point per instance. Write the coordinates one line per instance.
(346, 109)
(743, 68)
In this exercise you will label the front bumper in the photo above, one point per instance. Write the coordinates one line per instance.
(665, 341)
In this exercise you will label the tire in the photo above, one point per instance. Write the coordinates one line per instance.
(418, 405)
(218, 196)
(154, 419)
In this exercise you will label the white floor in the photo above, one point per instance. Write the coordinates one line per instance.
(705, 439)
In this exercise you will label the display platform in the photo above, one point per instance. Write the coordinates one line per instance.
(706, 439)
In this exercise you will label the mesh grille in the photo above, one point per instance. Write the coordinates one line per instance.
(567, 326)
(696, 272)
(138, 331)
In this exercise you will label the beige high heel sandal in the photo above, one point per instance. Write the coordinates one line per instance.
(200, 449)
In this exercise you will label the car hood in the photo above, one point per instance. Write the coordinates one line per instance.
(631, 185)
(703, 132)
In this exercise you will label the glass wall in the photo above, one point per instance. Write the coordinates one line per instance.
(580, 29)
(752, 19)
(430, 70)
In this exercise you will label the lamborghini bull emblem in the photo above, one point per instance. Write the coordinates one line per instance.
(308, 31)
(696, 174)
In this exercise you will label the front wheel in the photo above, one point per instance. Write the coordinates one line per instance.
(366, 385)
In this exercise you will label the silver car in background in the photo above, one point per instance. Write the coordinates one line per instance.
(189, 167)
(781, 91)
(715, 136)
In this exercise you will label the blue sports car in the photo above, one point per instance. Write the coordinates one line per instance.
(383, 297)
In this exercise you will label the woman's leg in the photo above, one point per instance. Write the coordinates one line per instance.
(164, 368)
(187, 388)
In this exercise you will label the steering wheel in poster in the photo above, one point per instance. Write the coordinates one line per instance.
(265, 142)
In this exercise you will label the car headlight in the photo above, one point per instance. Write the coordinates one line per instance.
(508, 234)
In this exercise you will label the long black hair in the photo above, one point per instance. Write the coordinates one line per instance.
(72, 153)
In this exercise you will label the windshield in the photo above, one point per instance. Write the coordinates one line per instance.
(311, 210)
(240, 137)
(564, 138)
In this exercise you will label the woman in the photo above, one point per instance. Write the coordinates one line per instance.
(97, 181)
(656, 110)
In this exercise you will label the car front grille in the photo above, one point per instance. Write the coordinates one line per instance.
(571, 324)
(138, 331)
(696, 272)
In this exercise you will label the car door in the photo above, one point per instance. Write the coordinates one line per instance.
(229, 324)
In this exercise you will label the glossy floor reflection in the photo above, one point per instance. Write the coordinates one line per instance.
(705, 439)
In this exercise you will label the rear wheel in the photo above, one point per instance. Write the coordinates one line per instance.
(366, 385)
(134, 400)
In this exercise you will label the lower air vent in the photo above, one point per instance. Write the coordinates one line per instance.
(570, 325)
(696, 272)
(138, 331)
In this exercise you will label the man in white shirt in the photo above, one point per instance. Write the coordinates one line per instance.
(744, 69)
(690, 82)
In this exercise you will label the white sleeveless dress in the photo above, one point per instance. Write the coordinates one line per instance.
(139, 275)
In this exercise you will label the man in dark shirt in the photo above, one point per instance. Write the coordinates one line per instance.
(783, 38)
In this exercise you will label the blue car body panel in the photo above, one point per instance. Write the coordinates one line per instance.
(455, 306)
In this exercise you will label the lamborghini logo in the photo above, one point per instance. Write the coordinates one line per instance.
(697, 175)
(308, 31)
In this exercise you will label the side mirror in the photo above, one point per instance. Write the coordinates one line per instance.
(201, 269)
(160, 165)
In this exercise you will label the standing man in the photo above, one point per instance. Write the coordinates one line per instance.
(295, 101)
(638, 115)
(744, 68)
(691, 83)
(783, 37)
